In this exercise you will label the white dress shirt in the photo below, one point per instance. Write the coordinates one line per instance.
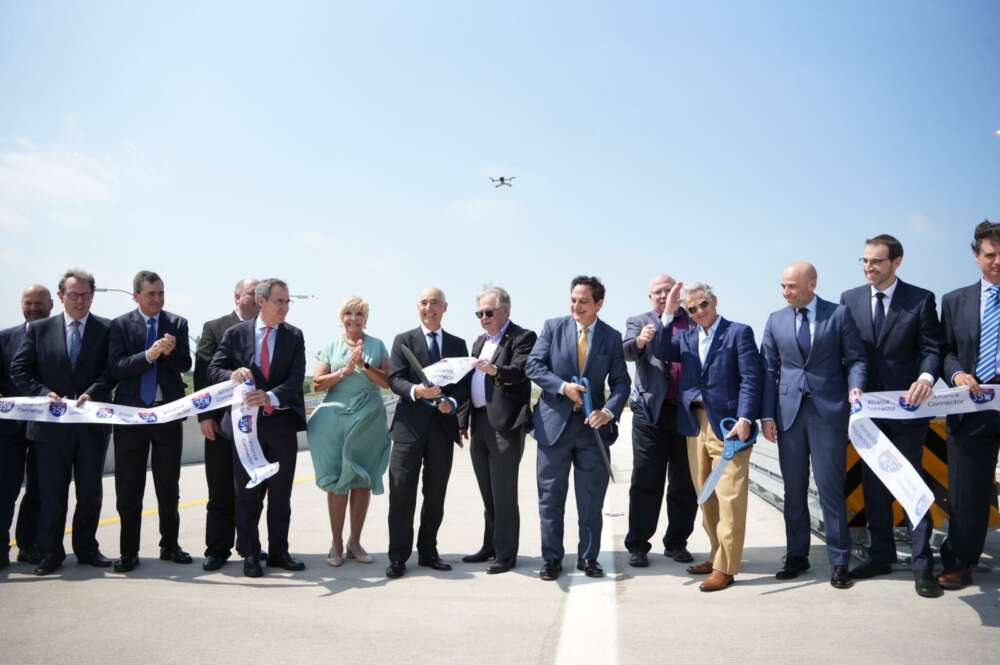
(478, 375)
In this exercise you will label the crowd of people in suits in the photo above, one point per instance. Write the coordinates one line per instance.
(695, 371)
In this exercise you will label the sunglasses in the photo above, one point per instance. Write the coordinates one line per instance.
(694, 309)
(488, 313)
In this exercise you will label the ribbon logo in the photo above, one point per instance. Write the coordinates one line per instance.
(246, 424)
(985, 395)
(147, 416)
(855, 407)
(201, 401)
(105, 412)
(6, 407)
(889, 462)
(906, 406)
(57, 408)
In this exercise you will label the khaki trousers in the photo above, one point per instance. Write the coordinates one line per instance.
(724, 516)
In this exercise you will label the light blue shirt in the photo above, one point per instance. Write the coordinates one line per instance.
(258, 339)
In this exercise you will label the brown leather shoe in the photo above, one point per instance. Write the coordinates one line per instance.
(717, 581)
(700, 568)
(953, 580)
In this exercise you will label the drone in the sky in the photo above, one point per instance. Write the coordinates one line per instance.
(501, 181)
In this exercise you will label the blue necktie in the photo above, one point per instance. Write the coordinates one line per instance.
(75, 342)
(879, 319)
(804, 340)
(147, 384)
(434, 348)
(986, 368)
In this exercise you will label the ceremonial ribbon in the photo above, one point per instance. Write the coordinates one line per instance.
(885, 460)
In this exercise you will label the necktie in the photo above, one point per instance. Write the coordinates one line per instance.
(581, 349)
(435, 350)
(879, 318)
(147, 383)
(75, 342)
(805, 341)
(986, 368)
(265, 363)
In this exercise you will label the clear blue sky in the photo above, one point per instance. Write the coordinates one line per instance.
(346, 148)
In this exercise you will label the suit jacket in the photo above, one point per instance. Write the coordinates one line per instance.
(508, 394)
(211, 337)
(910, 340)
(412, 418)
(554, 360)
(288, 367)
(961, 328)
(836, 364)
(10, 340)
(652, 375)
(730, 381)
(41, 365)
(127, 357)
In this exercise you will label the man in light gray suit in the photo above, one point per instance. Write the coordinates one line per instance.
(814, 364)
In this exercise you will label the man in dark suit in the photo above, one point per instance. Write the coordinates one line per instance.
(815, 367)
(899, 328)
(423, 430)
(148, 353)
(65, 357)
(17, 457)
(970, 318)
(499, 415)
(272, 354)
(579, 345)
(721, 378)
(659, 453)
(220, 513)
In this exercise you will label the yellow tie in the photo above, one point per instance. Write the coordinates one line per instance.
(581, 349)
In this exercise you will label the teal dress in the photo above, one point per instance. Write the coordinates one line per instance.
(348, 434)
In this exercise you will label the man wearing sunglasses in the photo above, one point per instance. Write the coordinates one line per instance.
(498, 416)
(721, 376)
(814, 365)
(579, 345)
(659, 453)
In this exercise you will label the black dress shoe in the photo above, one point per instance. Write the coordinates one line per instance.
(926, 584)
(590, 567)
(395, 570)
(793, 567)
(501, 566)
(286, 562)
(679, 554)
(213, 562)
(871, 569)
(124, 564)
(28, 555)
(840, 578)
(638, 559)
(252, 567)
(95, 559)
(955, 579)
(479, 557)
(175, 554)
(48, 565)
(436, 564)
(550, 570)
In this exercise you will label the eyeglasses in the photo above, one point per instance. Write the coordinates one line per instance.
(488, 313)
(871, 262)
(74, 296)
(694, 309)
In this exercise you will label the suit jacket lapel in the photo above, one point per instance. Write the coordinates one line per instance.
(716, 341)
(280, 342)
(501, 345)
(892, 313)
(418, 344)
(477, 346)
(794, 336)
(249, 342)
(972, 303)
(596, 339)
(823, 312)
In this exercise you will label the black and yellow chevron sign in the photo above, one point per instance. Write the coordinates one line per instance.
(935, 462)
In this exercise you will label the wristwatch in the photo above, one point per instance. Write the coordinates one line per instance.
(367, 366)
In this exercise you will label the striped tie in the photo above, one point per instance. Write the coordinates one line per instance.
(988, 333)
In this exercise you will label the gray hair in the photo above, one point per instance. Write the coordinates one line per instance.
(503, 298)
(78, 274)
(694, 287)
(242, 285)
(142, 277)
(264, 287)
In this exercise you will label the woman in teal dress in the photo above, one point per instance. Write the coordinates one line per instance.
(348, 435)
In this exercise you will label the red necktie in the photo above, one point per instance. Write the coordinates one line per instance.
(265, 364)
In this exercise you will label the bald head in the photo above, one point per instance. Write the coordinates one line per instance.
(659, 289)
(245, 299)
(798, 284)
(36, 302)
(431, 305)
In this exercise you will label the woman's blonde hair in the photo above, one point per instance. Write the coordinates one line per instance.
(353, 303)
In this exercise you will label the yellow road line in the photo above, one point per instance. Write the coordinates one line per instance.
(180, 506)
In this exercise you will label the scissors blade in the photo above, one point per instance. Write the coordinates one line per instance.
(713, 479)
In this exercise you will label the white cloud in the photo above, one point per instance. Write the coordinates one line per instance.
(56, 177)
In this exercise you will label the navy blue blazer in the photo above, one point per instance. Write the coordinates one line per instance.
(288, 367)
(730, 382)
(10, 340)
(960, 326)
(553, 360)
(910, 341)
(836, 364)
(41, 365)
(127, 357)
